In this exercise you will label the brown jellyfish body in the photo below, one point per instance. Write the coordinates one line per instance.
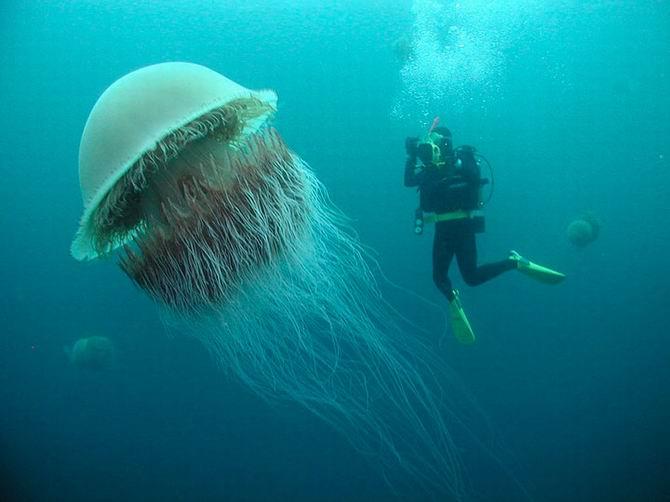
(233, 236)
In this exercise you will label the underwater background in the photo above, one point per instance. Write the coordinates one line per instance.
(569, 102)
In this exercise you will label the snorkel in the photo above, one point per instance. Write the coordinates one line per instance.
(436, 122)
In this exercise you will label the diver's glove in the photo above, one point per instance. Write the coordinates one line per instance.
(411, 147)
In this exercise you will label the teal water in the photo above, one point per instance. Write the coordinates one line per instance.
(568, 100)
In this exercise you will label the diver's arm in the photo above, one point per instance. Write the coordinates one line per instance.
(412, 176)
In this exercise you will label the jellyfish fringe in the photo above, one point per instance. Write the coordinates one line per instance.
(249, 256)
(118, 218)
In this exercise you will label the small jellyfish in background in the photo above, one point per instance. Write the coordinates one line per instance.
(403, 49)
(230, 232)
(93, 353)
(583, 230)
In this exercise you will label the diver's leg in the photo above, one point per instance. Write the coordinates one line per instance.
(466, 255)
(444, 247)
(443, 252)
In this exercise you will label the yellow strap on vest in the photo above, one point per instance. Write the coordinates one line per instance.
(454, 215)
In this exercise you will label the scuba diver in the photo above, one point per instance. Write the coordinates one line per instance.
(450, 184)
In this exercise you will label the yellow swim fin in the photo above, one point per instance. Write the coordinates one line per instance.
(537, 272)
(459, 322)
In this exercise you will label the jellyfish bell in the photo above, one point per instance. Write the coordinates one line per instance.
(583, 230)
(579, 233)
(93, 353)
(230, 232)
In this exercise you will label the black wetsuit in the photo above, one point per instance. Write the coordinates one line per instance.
(443, 190)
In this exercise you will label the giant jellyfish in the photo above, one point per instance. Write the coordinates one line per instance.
(185, 180)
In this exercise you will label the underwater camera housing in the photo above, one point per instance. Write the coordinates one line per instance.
(424, 151)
